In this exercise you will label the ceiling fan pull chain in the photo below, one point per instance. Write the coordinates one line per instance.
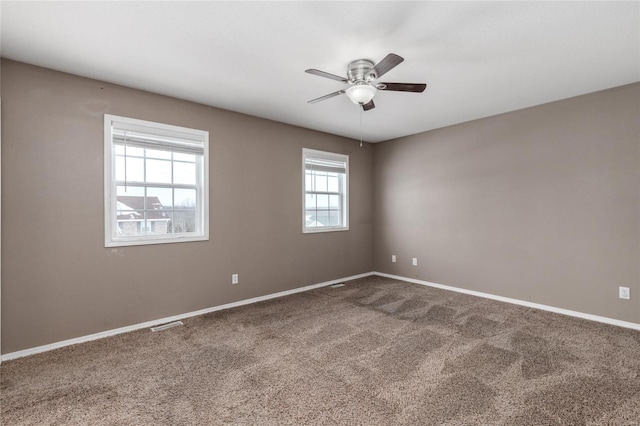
(360, 127)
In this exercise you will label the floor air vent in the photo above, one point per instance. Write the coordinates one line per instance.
(165, 326)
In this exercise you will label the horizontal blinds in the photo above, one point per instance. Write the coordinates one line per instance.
(162, 142)
(325, 165)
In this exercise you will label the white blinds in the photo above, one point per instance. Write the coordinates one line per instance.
(312, 162)
(159, 139)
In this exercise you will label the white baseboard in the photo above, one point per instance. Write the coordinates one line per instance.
(562, 311)
(148, 324)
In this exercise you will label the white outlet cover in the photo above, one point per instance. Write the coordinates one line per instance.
(415, 261)
(234, 279)
(624, 293)
(393, 258)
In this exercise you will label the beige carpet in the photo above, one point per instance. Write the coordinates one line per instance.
(375, 352)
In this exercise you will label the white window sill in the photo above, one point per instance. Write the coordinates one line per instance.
(151, 241)
(326, 229)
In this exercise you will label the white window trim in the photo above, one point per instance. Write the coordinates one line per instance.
(306, 152)
(110, 240)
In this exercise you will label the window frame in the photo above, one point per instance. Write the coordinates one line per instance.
(313, 153)
(111, 239)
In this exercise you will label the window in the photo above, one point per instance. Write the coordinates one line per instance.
(326, 200)
(155, 183)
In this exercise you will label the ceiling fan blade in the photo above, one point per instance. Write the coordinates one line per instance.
(327, 75)
(402, 87)
(369, 105)
(389, 62)
(322, 98)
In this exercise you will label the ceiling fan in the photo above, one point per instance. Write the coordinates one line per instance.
(361, 76)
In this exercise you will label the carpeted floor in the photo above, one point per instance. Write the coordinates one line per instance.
(375, 352)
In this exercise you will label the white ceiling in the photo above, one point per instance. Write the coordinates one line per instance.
(478, 58)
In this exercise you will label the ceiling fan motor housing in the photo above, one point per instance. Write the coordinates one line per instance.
(361, 70)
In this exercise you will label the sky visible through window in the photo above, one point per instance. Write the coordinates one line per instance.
(157, 167)
(322, 199)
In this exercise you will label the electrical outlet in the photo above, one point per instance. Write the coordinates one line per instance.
(234, 279)
(415, 261)
(624, 293)
(393, 258)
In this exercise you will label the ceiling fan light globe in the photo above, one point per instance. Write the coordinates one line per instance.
(361, 94)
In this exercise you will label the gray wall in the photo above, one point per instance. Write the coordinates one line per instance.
(58, 280)
(541, 204)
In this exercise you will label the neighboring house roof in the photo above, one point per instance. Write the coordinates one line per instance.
(132, 208)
